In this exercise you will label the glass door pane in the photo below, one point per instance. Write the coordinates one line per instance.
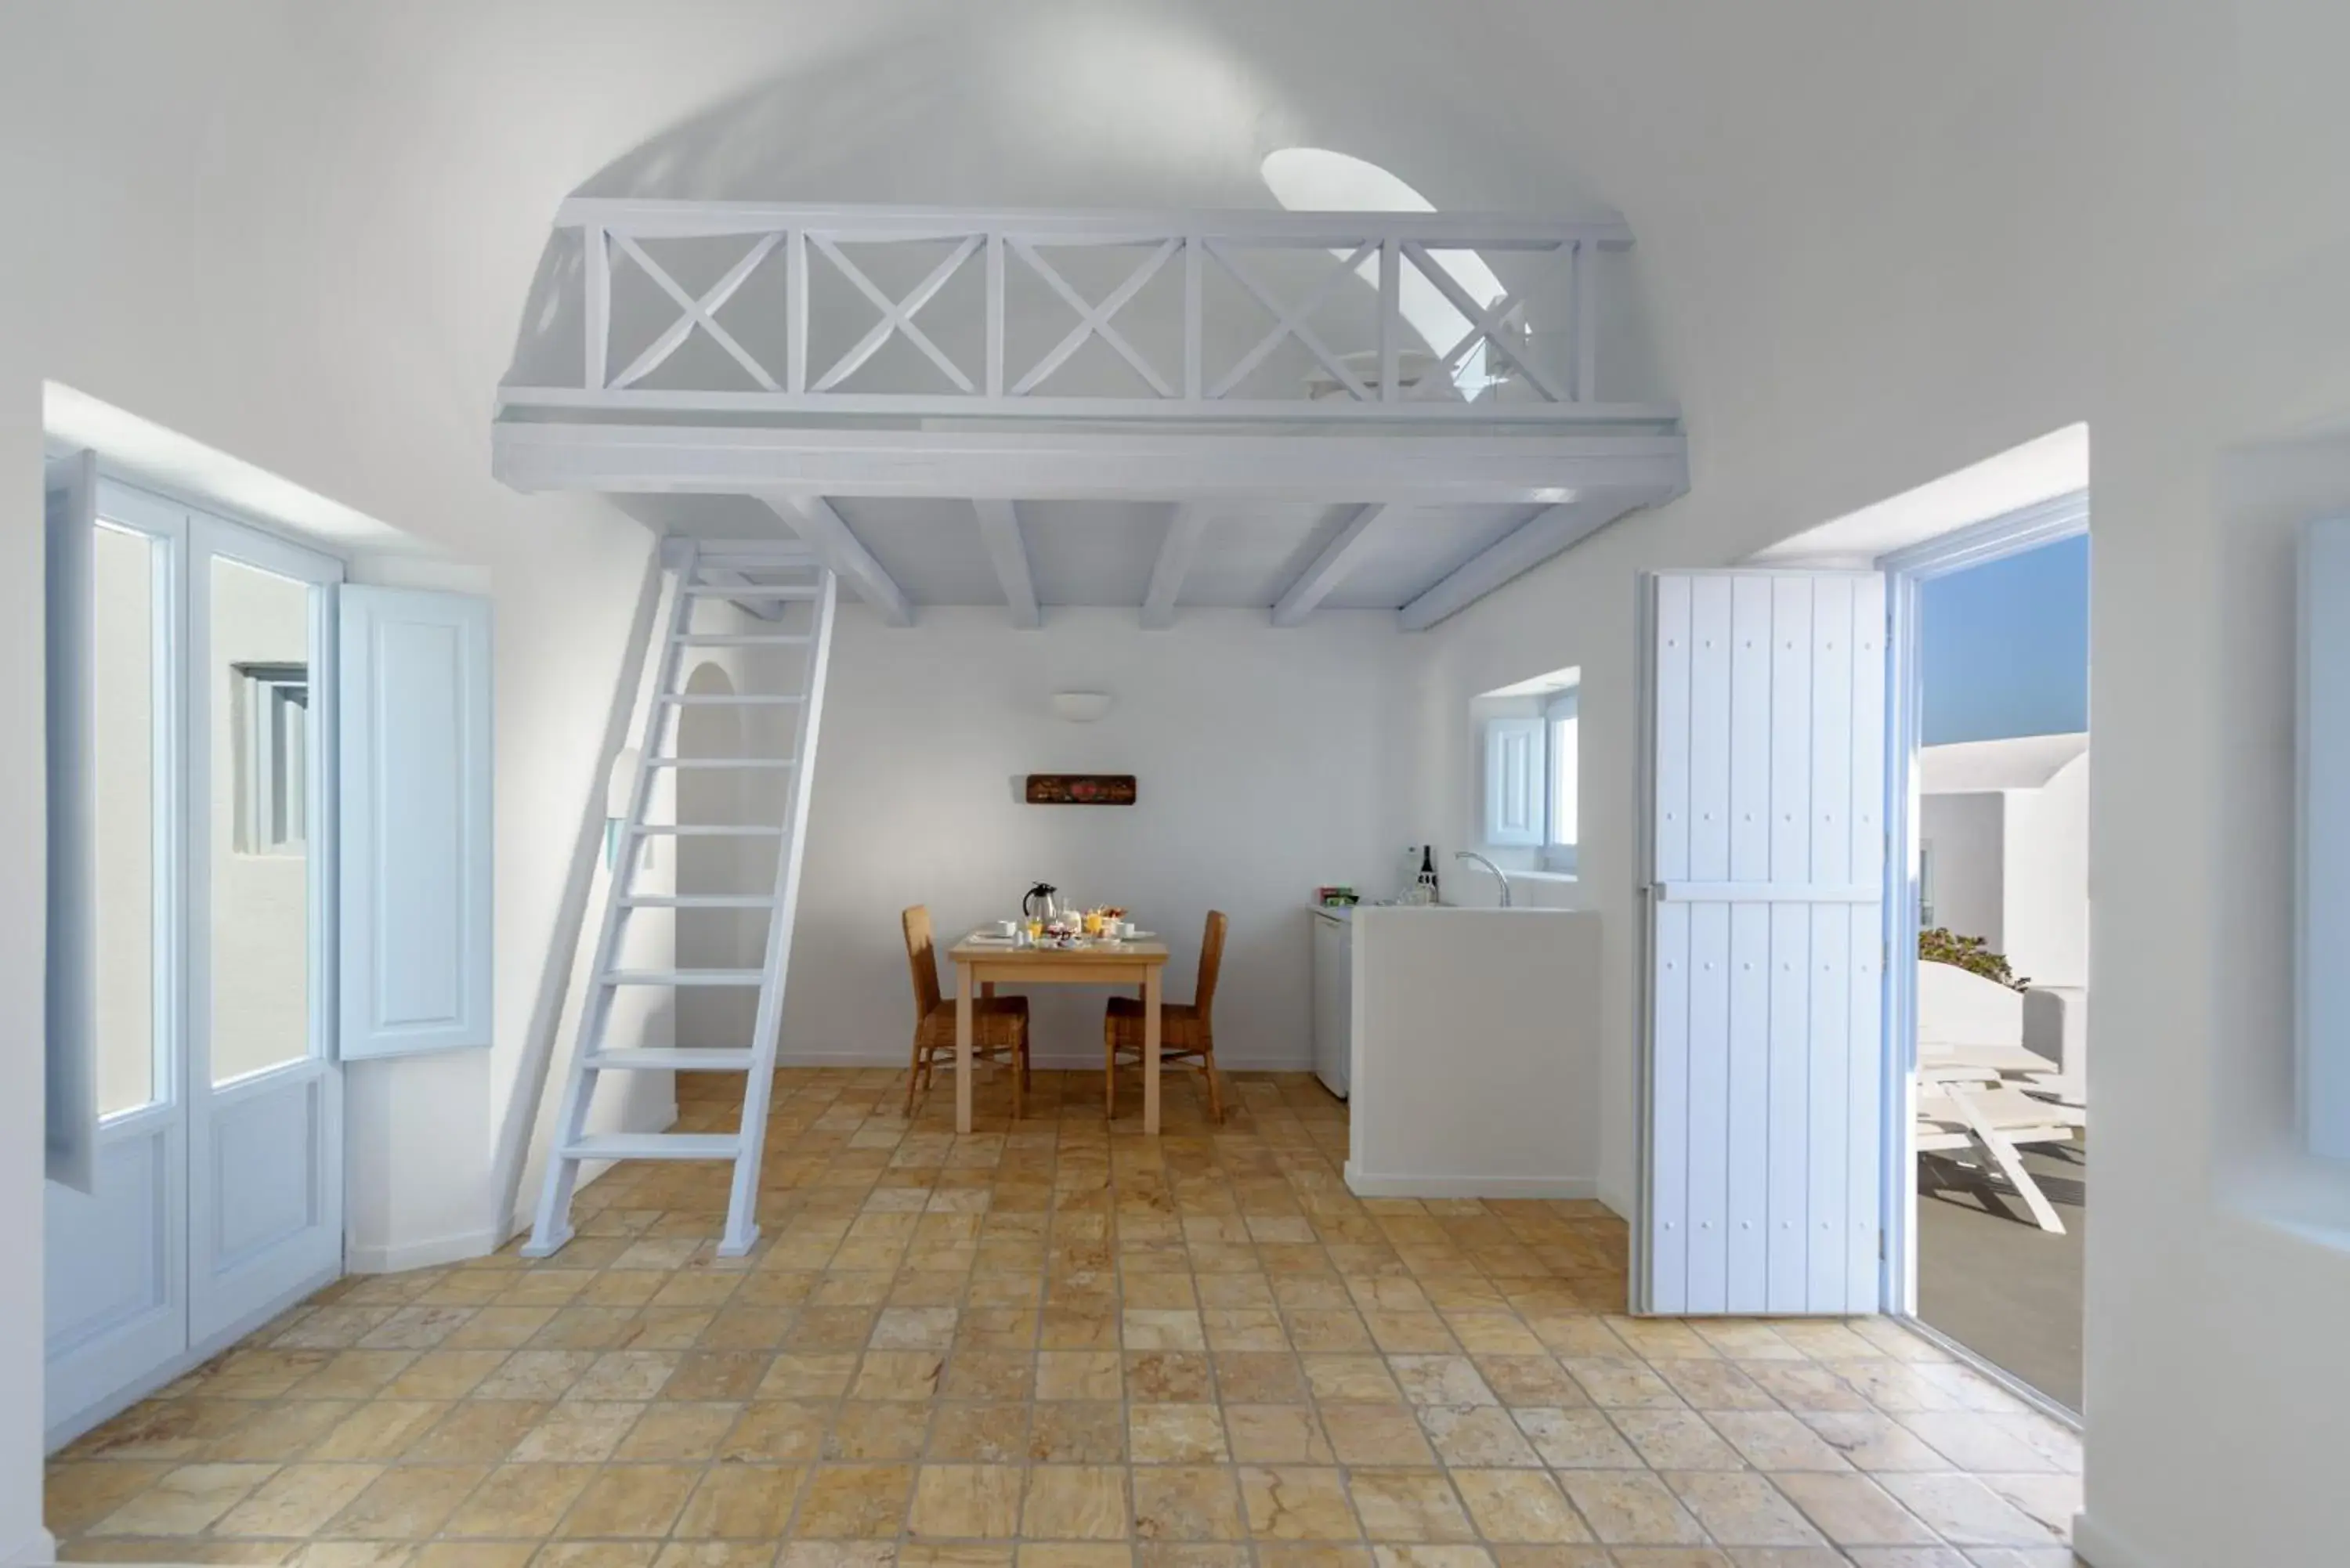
(128, 575)
(260, 815)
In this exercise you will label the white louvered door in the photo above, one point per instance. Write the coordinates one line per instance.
(1764, 955)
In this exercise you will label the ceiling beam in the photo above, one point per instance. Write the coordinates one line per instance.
(1532, 542)
(1175, 553)
(1330, 568)
(823, 530)
(1085, 464)
(999, 526)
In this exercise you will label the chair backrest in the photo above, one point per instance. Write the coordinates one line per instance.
(1211, 961)
(921, 955)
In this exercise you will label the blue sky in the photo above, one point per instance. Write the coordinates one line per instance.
(2006, 646)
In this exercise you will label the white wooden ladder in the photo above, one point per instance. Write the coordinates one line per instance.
(783, 587)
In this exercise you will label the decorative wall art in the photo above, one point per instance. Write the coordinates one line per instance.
(1080, 789)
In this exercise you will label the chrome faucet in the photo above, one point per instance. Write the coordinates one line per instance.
(1499, 875)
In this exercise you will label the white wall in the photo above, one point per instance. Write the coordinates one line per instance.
(1968, 834)
(1261, 759)
(1476, 1054)
(2047, 874)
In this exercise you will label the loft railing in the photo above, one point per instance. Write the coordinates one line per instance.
(1205, 353)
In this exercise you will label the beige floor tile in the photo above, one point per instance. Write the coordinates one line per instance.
(867, 1502)
(274, 1433)
(1179, 1377)
(578, 1431)
(878, 1430)
(1441, 1380)
(966, 1501)
(1476, 1435)
(1186, 1502)
(476, 1431)
(1870, 1441)
(381, 1429)
(1297, 1502)
(520, 1499)
(1074, 1554)
(1079, 1375)
(1582, 1438)
(183, 1501)
(1176, 1434)
(1678, 1440)
(1775, 1440)
(1277, 1435)
(1132, 1354)
(406, 1503)
(1631, 1508)
(1853, 1509)
(740, 1502)
(1966, 1511)
(679, 1432)
(1377, 1435)
(298, 1500)
(819, 1375)
(1351, 1380)
(1408, 1505)
(1742, 1509)
(1075, 1503)
(1519, 1506)
(979, 1434)
(1077, 1432)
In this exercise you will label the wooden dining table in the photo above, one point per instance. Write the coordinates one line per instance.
(983, 964)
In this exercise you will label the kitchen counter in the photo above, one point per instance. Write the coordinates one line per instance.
(1472, 1041)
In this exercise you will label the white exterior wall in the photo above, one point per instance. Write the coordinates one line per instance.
(1968, 836)
(2047, 877)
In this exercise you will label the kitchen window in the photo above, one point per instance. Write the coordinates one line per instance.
(1533, 760)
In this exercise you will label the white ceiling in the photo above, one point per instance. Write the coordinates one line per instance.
(1103, 551)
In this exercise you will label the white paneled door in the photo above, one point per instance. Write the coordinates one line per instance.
(203, 801)
(1764, 940)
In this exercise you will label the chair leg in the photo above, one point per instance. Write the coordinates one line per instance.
(1215, 1095)
(1019, 1071)
(913, 1079)
(1109, 1075)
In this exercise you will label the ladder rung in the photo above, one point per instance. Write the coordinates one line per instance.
(701, 830)
(675, 1059)
(655, 1145)
(685, 977)
(755, 700)
(740, 640)
(751, 590)
(720, 761)
(698, 901)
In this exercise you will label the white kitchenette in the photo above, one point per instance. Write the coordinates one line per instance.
(1466, 1044)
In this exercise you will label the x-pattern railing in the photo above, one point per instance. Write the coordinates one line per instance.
(1386, 248)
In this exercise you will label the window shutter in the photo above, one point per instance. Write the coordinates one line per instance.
(1514, 783)
(415, 835)
(71, 999)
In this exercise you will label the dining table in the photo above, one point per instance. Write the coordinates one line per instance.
(984, 961)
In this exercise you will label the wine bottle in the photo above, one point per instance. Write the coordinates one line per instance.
(1428, 870)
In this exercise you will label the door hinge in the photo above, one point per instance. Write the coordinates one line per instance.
(1880, 1246)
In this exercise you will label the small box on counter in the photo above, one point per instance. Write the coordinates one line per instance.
(1334, 898)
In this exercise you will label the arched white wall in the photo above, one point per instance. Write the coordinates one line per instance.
(1879, 243)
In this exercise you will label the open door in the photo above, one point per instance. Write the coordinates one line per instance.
(1764, 943)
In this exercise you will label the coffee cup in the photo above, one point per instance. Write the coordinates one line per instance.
(1007, 928)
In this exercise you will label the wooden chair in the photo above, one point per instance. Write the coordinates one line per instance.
(1186, 1032)
(999, 1026)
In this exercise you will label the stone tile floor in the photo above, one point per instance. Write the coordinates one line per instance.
(1057, 1344)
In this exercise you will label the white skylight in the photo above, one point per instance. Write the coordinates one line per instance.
(1317, 180)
